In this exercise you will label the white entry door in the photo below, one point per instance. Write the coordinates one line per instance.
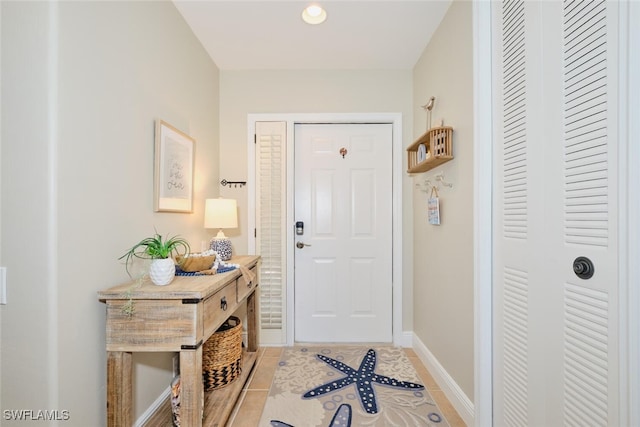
(343, 202)
(557, 344)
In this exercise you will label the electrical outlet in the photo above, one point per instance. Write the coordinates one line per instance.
(3, 285)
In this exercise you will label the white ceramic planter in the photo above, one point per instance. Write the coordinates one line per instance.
(162, 271)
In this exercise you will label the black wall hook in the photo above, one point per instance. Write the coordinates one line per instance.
(235, 184)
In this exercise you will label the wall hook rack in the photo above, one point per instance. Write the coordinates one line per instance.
(440, 178)
(426, 185)
(233, 184)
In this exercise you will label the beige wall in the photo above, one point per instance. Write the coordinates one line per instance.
(309, 91)
(83, 83)
(443, 255)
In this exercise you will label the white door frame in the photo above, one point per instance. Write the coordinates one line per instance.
(629, 233)
(483, 211)
(633, 191)
(397, 174)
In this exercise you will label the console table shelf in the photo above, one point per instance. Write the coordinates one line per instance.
(219, 404)
(179, 318)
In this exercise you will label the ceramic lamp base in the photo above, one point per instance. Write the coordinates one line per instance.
(222, 247)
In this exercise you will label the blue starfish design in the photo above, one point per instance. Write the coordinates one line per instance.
(342, 418)
(363, 378)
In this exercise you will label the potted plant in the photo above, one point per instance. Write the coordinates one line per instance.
(160, 250)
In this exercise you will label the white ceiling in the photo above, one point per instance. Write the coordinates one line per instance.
(270, 34)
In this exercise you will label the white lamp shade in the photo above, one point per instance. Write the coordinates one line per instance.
(220, 213)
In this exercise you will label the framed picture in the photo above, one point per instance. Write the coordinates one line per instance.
(173, 174)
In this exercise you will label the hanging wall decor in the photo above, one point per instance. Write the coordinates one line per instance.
(433, 207)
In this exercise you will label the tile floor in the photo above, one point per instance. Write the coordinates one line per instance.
(247, 413)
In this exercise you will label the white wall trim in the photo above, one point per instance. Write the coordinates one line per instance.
(631, 130)
(153, 408)
(52, 239)
(483, 254)
(457, 397)
(624, 166)
(291, 119)
(406, 340)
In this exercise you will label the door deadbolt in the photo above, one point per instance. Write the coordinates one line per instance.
(583, 267)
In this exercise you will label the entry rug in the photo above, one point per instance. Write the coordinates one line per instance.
(331, 386)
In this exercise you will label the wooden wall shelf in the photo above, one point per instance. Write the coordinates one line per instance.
(433, 148)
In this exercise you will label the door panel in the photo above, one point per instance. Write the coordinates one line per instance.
(343, 277)
(591, 345)
(513, 382)
(324, 287)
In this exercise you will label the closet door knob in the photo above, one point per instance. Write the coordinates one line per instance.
(583, 267)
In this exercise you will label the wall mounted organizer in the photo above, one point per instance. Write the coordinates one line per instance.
(433, 148)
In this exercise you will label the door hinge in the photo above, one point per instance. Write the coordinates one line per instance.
(255, 232)
(255, 138)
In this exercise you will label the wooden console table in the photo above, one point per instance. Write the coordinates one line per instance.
(178, 317)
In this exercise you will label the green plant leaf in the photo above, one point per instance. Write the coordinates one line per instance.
(155, 248)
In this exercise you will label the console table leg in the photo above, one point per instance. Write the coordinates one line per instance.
(119, 389)
(252, 323)
(191, 387)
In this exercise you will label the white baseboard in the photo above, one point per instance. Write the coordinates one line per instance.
(146, 415)
(405, 340)
(272, 337)
(454, 393)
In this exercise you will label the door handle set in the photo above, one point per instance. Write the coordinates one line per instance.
(583, 267)
(301, 245)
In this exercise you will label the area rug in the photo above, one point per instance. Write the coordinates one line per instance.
(345, 386)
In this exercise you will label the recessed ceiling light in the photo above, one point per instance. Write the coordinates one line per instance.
(314, 14)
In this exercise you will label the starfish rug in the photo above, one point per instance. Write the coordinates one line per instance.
(348, 386)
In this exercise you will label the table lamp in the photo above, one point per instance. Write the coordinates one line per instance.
(221, 213)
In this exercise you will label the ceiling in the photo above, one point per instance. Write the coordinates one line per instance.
(270, 34)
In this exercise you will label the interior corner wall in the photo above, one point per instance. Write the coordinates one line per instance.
(310, 91)
(24, 205)
(83, 83)
(443, 254)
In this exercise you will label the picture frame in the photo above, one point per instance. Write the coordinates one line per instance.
(173, 169)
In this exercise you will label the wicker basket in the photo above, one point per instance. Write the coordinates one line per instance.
(195, 263)
(222, 355)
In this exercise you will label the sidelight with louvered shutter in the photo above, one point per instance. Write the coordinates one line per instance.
(270, 221)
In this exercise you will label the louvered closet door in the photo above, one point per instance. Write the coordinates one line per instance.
(556, 345)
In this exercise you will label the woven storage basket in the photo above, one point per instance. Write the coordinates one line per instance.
(222, 355)
(193, 263)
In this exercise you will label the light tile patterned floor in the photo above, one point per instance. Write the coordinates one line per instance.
(247, 413)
